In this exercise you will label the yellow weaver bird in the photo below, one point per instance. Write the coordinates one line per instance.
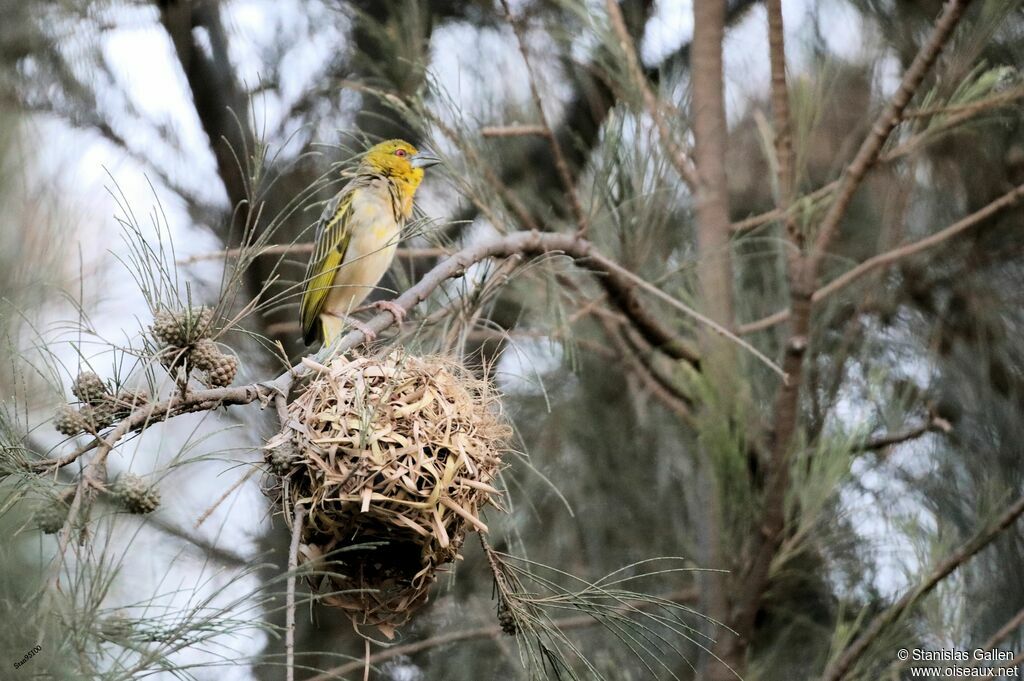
(357, 236)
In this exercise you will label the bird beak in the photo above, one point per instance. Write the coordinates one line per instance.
(424, 160)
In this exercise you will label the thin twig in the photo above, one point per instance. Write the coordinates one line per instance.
(514, 131)
(300, 249)
(223, 497)
(493, 631)
(755, 221)
(992, 102)
(561, 167)
(935, 424)
(845, 663)
(289, 615)
(887, 259)
(194, 401)
(880, 131)
(689, 311)
(677, 156)
(961, 113)
(667, 394)
(1004, 631)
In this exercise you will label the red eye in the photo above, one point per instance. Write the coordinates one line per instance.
(399, 152)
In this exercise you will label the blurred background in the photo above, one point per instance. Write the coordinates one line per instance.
(185, 137)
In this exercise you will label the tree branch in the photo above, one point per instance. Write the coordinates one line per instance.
(936, 424)
(846, 661)
(880, 131)
(620, 284)
(293, 564)
(561, 167)
(889, 258)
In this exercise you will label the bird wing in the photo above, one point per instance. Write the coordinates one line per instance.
(333, 233)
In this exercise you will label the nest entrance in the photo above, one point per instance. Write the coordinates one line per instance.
(394, 459)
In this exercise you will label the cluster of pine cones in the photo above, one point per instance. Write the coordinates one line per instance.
(100, 407)
(129, 491)
(184, 340)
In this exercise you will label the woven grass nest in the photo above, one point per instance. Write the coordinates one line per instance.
(393, 459)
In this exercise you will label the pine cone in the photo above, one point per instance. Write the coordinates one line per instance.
(51, 517)
(172, 356)
(223, 371)
(99, 416)
(69, 421)
(89, 387)
(282, 457)
(166, 330)
(127, 401)
(205, 355)
(134, 495)
(507, 621)
(182, 329)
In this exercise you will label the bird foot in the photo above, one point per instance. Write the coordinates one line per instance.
(390, 306)
(370, 334)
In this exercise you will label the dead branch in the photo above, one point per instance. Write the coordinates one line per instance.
(289, 615)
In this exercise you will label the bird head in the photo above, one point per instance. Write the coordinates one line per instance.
(399, 161)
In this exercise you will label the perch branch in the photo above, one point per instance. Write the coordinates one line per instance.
(619, 283)
(846, 661)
